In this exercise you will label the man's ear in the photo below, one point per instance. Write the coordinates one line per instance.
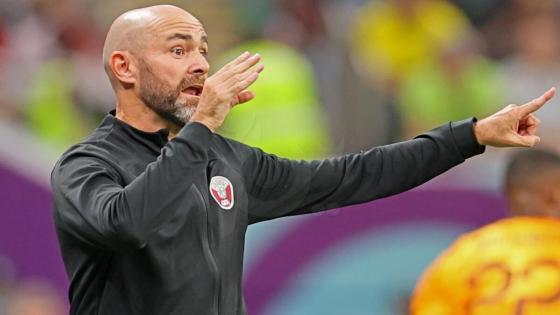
(123, 66)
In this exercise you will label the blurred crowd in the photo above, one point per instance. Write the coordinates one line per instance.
(346, 75)
(342, 76)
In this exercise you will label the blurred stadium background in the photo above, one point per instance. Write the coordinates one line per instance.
(342, 76)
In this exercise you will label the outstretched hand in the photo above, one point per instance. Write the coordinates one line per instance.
(513, 126)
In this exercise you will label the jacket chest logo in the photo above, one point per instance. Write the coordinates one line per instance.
(221, 190)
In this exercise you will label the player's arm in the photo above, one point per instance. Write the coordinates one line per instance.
(280, 187)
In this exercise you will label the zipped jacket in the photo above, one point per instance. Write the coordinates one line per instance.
(151, 226)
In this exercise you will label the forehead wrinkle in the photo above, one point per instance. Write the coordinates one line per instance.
(152, 22)
(164, 31)
(163, 26)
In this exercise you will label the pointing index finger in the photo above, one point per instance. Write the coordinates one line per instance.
(537, 103)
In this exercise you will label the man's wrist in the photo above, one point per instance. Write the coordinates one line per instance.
(465, 138)
(202, 119)
(478, 134)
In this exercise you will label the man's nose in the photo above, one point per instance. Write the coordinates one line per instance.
(199, 67)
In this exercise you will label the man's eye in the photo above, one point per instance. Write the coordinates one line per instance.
(178, 51)
(204, 53)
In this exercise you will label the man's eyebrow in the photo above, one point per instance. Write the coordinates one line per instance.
(186, 37)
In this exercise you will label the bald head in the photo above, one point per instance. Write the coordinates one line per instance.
(133, 30)
(156, 60)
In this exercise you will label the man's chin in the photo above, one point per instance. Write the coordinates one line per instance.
(186, 112)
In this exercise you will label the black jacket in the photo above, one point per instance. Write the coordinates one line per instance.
(141, 231)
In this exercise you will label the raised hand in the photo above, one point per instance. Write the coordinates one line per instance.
(513, 126)
(227, 88)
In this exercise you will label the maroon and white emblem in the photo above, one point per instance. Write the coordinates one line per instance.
(221, 190)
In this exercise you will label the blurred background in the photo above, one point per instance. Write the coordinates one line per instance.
(342, 76)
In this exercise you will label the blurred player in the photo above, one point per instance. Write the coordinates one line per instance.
(508, 267)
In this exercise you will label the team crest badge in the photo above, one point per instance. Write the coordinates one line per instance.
(221, 190)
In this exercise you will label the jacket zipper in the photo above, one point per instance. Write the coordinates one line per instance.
(208, 250)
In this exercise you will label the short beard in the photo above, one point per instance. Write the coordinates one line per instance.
(162, 98)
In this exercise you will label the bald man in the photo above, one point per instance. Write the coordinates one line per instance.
(151, 209)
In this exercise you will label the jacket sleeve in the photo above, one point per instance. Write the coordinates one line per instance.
(92, 205)
(279, 187)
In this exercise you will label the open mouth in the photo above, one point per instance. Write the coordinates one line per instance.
(194, 90)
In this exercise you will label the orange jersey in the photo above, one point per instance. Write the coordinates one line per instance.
(511, 267)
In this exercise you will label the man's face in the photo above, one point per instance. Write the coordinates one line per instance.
(173, 68)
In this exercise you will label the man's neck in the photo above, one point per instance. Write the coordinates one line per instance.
(143, 118)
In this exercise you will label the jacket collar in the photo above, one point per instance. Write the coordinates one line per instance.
(159, 138)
